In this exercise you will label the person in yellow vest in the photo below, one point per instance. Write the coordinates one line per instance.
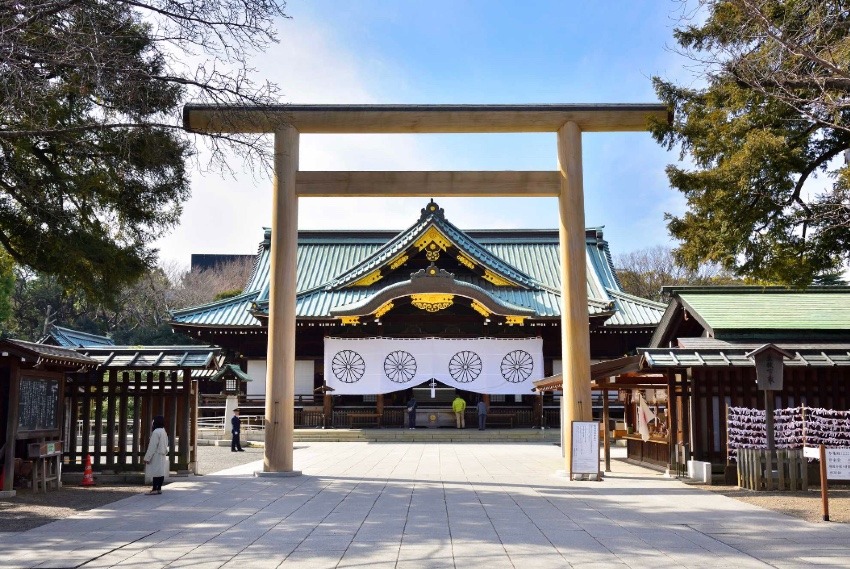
(459, 407)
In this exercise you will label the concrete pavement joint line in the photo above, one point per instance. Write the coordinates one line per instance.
(84, 563)
(741, 551)
(493, 526)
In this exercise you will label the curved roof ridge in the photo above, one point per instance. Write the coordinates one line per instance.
(433, 215)
(214, 304)
(639, 299)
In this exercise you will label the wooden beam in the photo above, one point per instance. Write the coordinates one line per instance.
(429, 184)
(339, 119)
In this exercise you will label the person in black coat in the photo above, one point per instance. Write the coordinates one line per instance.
(411, 413)
(236, 426)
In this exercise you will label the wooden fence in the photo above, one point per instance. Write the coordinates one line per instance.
(760, 469)
(114, 411)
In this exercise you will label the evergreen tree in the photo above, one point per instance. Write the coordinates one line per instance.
(92, 152)
(771, 118)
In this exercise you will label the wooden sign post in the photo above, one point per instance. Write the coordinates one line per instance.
(834, 465)
(769, 377)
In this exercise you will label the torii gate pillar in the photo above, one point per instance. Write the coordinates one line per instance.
(575, 327)
(280, 359)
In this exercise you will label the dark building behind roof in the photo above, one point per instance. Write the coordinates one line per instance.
(206, 261)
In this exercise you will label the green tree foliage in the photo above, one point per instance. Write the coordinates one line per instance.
(7, 287)
(92, 153)
(139, 314)
(769, 196)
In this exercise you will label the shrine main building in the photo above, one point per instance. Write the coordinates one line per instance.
(431, 311)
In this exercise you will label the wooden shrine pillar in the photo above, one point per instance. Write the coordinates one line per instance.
(575, 327)
(327, 410)
(280, 374)
(606, 430)
(379, 408)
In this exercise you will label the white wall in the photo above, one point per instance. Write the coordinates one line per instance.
(304, 372)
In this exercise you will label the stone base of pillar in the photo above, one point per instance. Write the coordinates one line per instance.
(289, 474)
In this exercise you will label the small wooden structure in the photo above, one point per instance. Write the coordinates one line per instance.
(707, 341)
(32, 380)
(109, 411)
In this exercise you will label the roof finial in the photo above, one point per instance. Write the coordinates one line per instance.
(432, 209)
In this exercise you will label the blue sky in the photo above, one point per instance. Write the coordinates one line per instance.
(393, 51)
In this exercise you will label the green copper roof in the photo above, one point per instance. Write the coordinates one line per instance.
(329, 262)
(744, 313)
(770, 309)
(68, 338)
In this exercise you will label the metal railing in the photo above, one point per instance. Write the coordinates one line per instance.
(250, 423)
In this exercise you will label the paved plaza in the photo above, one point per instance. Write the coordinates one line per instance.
(426, 505)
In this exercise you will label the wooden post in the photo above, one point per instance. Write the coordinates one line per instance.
(768, 417)
(824, 485)
(575, 327)
(672, 423)
(185, 403)
(379, 408)
(11, 428)
(327, 410)
(606, 430)
(280, 375)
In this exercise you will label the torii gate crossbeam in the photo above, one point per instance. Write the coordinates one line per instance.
(286, 122)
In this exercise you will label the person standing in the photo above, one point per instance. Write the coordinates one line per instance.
(411, 413)
(156, 458)
(482, 414)
(459, 407)
(236, 428)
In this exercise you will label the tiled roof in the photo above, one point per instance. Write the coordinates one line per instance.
(763, 309)
(159, 357)
(55, 355)
(69, 338)
(633, 310)
(742, 312)
(230, 369)
(329, 261)
(709, 354)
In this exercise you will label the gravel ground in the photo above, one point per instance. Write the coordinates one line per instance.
(27, 510)
(805, 505)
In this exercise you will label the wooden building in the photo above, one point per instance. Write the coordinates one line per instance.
(701, 346)
(32, 413)
(431, 280)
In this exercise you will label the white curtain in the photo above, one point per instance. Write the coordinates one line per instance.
(367, 366)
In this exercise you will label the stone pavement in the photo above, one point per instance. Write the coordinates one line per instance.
(425, 505)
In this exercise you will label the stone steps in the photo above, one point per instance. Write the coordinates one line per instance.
(402, 436)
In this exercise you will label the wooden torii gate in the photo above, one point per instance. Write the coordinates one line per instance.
(287, 122)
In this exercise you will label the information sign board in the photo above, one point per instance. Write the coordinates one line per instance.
(38, 408)
(585, 448)
(838, 464)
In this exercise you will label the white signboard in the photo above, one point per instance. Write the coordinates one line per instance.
(838, 464)
(811, 452)
(585, 455)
